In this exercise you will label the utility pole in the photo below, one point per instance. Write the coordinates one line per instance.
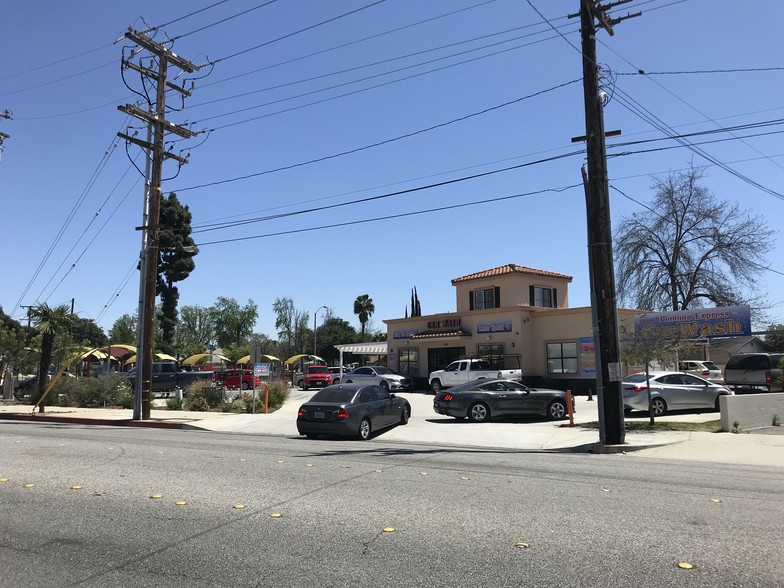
(156, 120)
(600, 257)
(6, 114)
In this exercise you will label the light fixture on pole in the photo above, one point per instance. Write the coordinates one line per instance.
(314, 326)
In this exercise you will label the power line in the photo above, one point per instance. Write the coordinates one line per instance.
(392, 216)
(384, 142)
(228, 18)
(297, 32)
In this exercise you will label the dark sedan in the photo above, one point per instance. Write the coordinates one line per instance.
(353, 410)
(481, 400)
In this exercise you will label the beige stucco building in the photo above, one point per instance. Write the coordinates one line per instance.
(506, 313)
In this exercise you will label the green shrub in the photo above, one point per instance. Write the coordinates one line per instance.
(174, 404)
(278, 394)
(211, 395)
(247, 398)
(92, 392)
(196, 403)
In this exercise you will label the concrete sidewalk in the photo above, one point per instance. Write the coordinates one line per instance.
(428, 428)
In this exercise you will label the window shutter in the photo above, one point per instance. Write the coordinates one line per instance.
(498, 297)
(531, 296)
(470, 301)
(555, 297)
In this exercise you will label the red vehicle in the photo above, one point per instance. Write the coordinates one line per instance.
(231, 379)
(316, 376)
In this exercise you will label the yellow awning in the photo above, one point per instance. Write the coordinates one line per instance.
(291, 360)
(194, 359)
(246, 359)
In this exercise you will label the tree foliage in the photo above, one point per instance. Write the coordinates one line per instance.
(364, 309)
(292, 326)
(234, 323)
(124, 330)
(689, 250)
(87, 332)
(334, 331)
(775, 340)
(174, 264)
(49, 322)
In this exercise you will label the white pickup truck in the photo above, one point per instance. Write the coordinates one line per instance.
(467, 370)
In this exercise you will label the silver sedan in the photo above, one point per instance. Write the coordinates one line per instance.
(670, 391)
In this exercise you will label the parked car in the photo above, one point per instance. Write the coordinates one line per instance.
(670, 391)
(336, 372)
(316, 376)
(754, 372)
(379, 375)
(231, 379)
(481, 400)
(169, 375)
(706, 370)
(354, 410)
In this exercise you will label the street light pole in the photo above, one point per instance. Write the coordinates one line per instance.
(314, 326)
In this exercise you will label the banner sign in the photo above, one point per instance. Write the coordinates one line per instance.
(587, 355)
(261, 369)
(700, 323)
(496, 327)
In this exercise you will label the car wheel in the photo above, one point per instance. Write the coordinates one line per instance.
(304, 387)
(627, 410)
(435, 386)
(478, 412)
(364, 430)
(659, 406)
(245, 386)
(405, 415)
(557, 410)
(384, 385)
(299, 383)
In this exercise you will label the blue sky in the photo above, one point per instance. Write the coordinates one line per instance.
(420, 93)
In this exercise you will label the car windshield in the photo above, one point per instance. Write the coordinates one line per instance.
(710, 365)
(318, 370)
(383, 371)
(466, 386)
(334, 395)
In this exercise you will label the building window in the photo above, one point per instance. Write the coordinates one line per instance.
(562, 358)
(543, 297)
(408, 361)
(486, 298)
(494, 353)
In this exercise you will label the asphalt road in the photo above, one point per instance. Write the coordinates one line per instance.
(453, 517)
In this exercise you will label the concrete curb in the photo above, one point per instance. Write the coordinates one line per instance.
(44, 418)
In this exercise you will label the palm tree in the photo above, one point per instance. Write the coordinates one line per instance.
(50, 322)
(364, 309)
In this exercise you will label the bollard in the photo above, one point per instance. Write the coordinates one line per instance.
(590, 395)
(570, 407)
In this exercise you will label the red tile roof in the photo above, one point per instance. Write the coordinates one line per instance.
(510, 268)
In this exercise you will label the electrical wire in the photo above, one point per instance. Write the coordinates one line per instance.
(205, 27)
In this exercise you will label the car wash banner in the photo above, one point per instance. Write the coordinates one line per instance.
(700, 323)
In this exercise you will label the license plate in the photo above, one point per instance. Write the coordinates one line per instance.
(318, 414)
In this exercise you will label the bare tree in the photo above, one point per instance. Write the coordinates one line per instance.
(689, 250)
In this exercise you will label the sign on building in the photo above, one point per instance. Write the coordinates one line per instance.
(699, 323)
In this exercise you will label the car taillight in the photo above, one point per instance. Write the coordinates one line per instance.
(639, 388)
(705, 373)
(341, 414)
(301, 412)
(448, 397)
(768, 377)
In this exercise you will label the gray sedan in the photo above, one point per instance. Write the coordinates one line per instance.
(481, 400)
(670, 391)
(352, 410)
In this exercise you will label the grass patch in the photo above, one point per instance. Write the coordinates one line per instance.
(706, 427)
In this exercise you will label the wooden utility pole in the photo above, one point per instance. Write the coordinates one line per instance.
(600, 257)
(156, 120)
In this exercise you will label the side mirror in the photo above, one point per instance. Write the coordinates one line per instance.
(392, 396)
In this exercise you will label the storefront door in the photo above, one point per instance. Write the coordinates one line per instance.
(440, 357)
